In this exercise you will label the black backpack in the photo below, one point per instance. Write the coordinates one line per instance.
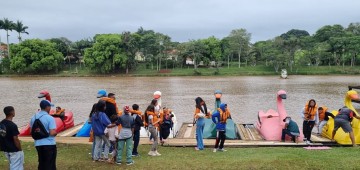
(38, 130)
(2, 136)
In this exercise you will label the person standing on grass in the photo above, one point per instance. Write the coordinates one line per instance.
(200, 114)
(9, 141)
(136, 114)
(112, 134)
(152, 121)
(99, 122)
(219, 118)
(311, 118)
(343, 120)
(125, 136)
(46, 147)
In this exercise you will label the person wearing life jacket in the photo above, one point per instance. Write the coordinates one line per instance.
(323, 118)
(59, 113)
(111, 107)
(153, 122)
(311, 117)
(219, 118)
(200, 114)
(343, 120)
(158, 113)
(291, 128)
(166, 125)
(136, 114)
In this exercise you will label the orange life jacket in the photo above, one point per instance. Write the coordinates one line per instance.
(309, 113)
(197, 110)
(58, 113)
(224, 115)
(322, 115)
(155, 118)
(111, 100)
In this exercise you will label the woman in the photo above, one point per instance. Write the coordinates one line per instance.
(311, 117)
(153, 122)
(199, 118)
(99, 122)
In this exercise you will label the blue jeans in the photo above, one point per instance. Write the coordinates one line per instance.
(98, 147)
(200, 123)
(129, 145)
(136, 142)
(16, 160)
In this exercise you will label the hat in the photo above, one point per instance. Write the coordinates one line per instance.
(45, 103)
(101, 93)
(126, 108)
(286, 118)
(157, 95)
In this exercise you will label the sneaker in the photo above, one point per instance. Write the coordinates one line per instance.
(222, 150)
(135, 155)
(110, 160)
(118, 163)
(214, 150)
(152, 153)
(157, 153)
(130, 163)
(196, 148)
(308, 142)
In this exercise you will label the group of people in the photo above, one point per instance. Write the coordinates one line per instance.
(314, 116)
(116, 129)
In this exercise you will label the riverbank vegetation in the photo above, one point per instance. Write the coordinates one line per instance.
(76, 156)
(332, 49)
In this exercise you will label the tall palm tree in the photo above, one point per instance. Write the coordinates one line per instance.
(20, 28)
(7, 25)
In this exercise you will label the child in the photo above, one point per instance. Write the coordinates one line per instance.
(221, 115)
(112, 134)
(323, 118)
(152, 121)
(166, 125)
(125, 136)
(136, 113)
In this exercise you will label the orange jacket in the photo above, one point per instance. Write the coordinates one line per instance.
(322, 115)
(309, 113)
(197, 110)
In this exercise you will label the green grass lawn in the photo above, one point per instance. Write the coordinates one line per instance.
(76, 156)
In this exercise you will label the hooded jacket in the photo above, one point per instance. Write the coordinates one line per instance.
(220, 117)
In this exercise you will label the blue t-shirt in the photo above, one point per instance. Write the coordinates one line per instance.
(49, 123)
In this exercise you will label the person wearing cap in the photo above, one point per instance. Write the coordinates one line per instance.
(291, 129)
(111, 107)
(125, 136)
(46, 147)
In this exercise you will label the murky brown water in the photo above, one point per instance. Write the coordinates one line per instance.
(244, 95)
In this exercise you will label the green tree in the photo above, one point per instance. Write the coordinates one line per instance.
(212, 49)
(106, 56)
(239, 41)
(20, 28)
(36, 56)
(7, 25)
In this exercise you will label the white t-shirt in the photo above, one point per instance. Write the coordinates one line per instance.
(113, 133)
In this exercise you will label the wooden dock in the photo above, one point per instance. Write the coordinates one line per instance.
(248, 137)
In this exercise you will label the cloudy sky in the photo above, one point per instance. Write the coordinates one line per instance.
(182, 20)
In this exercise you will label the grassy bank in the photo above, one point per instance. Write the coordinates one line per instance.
(233, 70)
(76, 156)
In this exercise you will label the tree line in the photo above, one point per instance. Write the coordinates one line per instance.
(331, 45)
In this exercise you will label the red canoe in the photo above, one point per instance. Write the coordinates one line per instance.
(61, 125)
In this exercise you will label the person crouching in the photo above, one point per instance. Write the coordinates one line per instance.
(222, 114)
(291, 129)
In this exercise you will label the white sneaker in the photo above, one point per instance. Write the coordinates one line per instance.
(214, 150)
(222, 150)
(157, 153)
(308, 142)
(152, 153)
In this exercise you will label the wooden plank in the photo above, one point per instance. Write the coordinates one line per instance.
(72, 131)
(243, 132)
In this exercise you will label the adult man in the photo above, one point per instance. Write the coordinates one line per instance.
(46, 147)
(10, 143)
(111, 107)
(343, 120)
(291, 129)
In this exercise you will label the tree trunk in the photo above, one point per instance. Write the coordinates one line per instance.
(228, 61)
(19, 37)
(8, 45)
(239, 56)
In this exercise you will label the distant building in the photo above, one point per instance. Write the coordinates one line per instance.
(139, 56)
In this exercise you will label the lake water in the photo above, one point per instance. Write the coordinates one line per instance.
(245, 95)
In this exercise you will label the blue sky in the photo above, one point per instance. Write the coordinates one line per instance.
(182, 20)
